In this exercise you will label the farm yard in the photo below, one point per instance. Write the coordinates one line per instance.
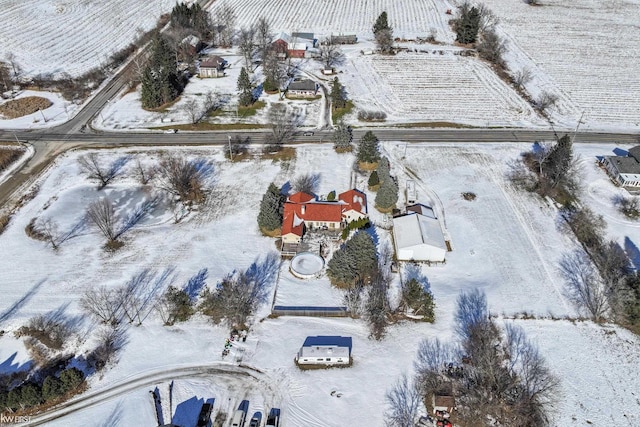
(504, 243)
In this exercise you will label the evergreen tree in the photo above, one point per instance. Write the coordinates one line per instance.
(245, 88)
(368, 151)
(356, 260)
(383, 170)
(14, 399)
(419, 299)
(183, 15)
(30, 395)
(468, 24)
(338, 96)
(160, 80)
(71, 378)
(387, 195)
(51, 388)
(270, 215)
(558, 163)
(383, 33)
(331, 196)
(381, 23)
(374, 180)
(342, 138)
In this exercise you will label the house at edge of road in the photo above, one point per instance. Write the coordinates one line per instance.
(304, 212)
(625, 170)
(325, 350)
(418, 236)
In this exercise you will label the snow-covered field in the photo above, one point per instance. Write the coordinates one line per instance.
(63, 36)
(585, 53)
(430, 87)
(59, 112)
(504, 242)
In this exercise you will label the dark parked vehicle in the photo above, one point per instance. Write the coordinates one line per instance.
(255, 420)
(204, 418)
(273, 420)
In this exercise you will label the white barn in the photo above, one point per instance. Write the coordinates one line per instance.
(325, 350)
(418, 237)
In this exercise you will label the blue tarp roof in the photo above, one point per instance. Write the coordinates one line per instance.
(336, 341)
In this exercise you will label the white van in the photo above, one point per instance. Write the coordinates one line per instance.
(238, 418)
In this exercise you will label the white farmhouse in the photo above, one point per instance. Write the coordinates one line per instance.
(418, 237)
(325, 350)
(625, 170)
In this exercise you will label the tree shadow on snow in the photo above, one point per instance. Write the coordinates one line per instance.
(632, 252)
(21, 302)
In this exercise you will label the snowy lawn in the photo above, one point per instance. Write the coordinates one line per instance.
(504, 242)
(59, 112)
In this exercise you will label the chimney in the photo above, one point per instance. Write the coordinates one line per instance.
(303, 209)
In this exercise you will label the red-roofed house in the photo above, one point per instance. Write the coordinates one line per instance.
(303, 212)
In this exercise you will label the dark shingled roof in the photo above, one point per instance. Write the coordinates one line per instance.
(335, 341)
(303, 85)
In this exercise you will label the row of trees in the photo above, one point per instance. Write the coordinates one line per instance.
(598, 277)
(497, 375)
(31, 394)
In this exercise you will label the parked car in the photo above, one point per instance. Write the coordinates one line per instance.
(239, 418)
(255, 420)
(273, 420)
(308, 133)
(205, 415)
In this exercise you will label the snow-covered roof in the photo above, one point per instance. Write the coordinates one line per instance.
(415, 229)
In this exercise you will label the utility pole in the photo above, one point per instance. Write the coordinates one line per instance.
(230, 152)
(577, 126)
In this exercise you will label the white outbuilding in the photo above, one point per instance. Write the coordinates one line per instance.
(418, 237)
(325, 350)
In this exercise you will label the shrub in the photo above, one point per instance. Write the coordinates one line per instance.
(357, 259)
(373, 181)
(371, 116)
(418, 299)
(467, 195)
(629, 207)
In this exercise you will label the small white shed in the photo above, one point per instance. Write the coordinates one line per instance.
(418, 238)
(325, 350)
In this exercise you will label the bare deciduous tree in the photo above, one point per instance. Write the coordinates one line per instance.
(330, 55)
(104, 304)
(403, 401)
(264, 37)
(239, 294)
(224, 22)
(143, 174)
(90, 165)
(247, 46)
(49, 229)
(197, 110)
(545, 101)
(522, 77)
(185, 179)
(583, 285)
(307, 183)
(110, 341)
(102, 214)
(283, 124)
